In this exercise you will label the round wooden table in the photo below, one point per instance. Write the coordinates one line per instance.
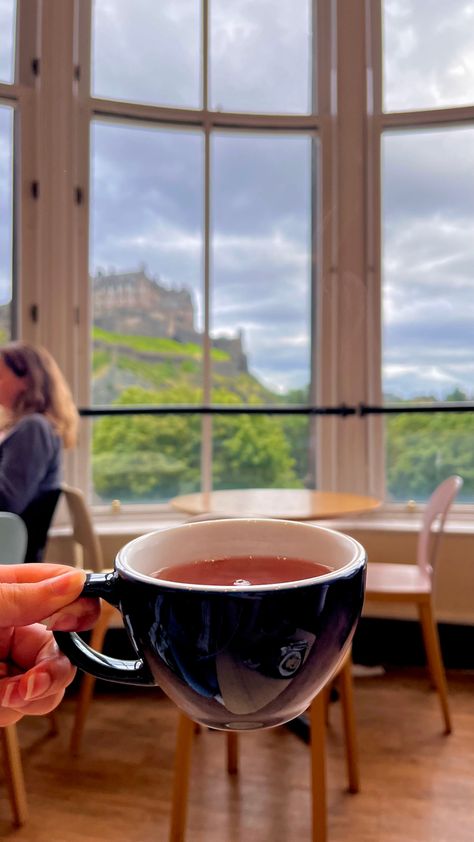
(283, 503)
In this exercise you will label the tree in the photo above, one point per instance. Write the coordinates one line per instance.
(143, 457)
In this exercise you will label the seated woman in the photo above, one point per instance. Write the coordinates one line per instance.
(37, 418)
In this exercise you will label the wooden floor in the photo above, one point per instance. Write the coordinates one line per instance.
(417, 785)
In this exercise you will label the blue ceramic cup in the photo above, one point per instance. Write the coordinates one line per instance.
(235, 657)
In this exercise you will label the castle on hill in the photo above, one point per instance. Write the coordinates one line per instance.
(133, 304)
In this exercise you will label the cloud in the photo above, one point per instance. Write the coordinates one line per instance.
(423, 169)
(428, 261)
(7, 18)
(260, 56)
(147, 51)
(429, 53)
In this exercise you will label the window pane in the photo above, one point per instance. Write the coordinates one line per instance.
(145, 459)
(146, 256)
(428, 303)
(422, 450)
(7, 40)
(261, 252)
(6, 221)
(428, 54)
(261, 451)
(147, 51)
(261, 279)
(261, 55)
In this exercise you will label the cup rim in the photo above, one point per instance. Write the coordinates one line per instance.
(122, 566)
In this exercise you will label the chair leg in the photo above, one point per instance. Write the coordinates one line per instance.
(348, 719)
(182, 769)
(232, 753)
(87, 684)
(14, 774)
(317, 715)
(435, 661)
(326, 694)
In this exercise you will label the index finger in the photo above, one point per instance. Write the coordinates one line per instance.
(31, 592)
(32, 572)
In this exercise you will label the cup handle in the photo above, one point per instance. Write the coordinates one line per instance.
(103, 585)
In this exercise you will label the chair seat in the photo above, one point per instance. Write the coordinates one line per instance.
(396, 579)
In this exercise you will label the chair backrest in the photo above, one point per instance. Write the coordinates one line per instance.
(83, 533)
(13, 539)
(434, 519)
(37, 518)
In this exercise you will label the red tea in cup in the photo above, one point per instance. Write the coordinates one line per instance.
(242, 570)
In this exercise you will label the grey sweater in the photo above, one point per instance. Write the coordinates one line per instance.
(30, 463)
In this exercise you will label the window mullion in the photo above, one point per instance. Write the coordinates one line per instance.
(352, 296)
(206, 448)
(26, 169)
(375, 423)
(206, 425)
(56, 275)
(56, 182)
(326, 250)
(81, 467)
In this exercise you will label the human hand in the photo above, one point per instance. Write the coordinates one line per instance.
(33, 672)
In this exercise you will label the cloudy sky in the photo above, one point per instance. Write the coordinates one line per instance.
(147, 184)
(428, 201)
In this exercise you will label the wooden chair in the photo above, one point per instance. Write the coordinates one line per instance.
(414, 583)
(87, 554)
(317, 715)
(13, 544)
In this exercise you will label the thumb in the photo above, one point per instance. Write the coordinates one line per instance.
(23, 603)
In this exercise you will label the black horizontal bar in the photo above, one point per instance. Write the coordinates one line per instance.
(180, 409)
(396, 408)
(342, 410)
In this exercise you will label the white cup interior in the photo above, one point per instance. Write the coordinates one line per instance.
(235, 537)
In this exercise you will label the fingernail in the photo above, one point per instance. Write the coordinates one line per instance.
(37, 685)
(5, 700)
(48, 621)
(68, 582)
(61, 622)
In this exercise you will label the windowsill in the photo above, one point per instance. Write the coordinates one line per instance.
(129, 523)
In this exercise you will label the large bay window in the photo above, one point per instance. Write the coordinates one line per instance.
(259, 207)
